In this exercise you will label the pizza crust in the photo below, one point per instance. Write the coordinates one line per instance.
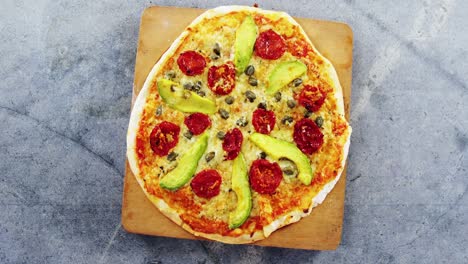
(138, 108)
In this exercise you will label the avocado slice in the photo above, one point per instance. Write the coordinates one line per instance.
(186, 101)
(240, 185)
(277, 148)
(246, 35)
(187, 165)
(283, 74)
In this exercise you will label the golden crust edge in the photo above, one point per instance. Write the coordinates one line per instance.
(138, 108)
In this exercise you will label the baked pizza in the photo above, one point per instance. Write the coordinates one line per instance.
(239, 128)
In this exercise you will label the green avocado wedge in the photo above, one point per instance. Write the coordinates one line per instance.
(188, 163)
(185, 101)
(284, 73)
(241, 186)
(246, 35)
(277, 148)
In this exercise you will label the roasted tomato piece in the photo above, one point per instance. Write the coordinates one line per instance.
(206, 183)
(164, 137)
(232, 143)
(263, 120)
(191, 63)
(222, 79)
(307, 136)
(269, 45)
(197, 123)
(312, 98)
(265, 176)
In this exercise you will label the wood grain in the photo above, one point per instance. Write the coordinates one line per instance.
(159, 27)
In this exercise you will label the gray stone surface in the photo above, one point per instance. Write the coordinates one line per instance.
(66, 78)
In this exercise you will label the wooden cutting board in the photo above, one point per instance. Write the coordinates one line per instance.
(159, 27)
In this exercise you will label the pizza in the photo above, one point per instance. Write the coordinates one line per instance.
(239, 128)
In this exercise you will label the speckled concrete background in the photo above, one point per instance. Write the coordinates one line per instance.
(65, 88)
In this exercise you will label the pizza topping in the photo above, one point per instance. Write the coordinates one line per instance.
(287, 120)
(288, 167)
(319, 121)
(221, 79)
(221, 135)
(209, 156)
(307, 136)
(164, 137)
(182, 100)
(312, 98)
(296, 82)
(307, 113)
(216, 52)
(262, 155)
(197, 123)
(253, 81)
(263, 120)
(264, 176)
(193, 87)
(232, 143)
(246, 35)
(270, 45)
(187, 165)
(170, 75)
(206, 183)
(250, 70)
(283, 74)
(223, 113)
(250, 96)
(278, 96)
(262, 105)
(191, 63)
(242, 122)
(159, 110)
(229, 100)
(172, 156)
(240, 185)
(217, 49)
(188, 135)
(277, 149)
(291, 103)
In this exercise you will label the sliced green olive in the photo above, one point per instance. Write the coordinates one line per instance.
(223, 113)
(188, 135)
(188, 86)
(229, 100)
(291, 103)
(319, 121)
(209, 156)
(172, 156)
(253, 81)
(159, 110)
(296, 82)
(278, 96)
(221, 135)
(250, 95)
(217, 49)
(287, 120)
(170, 75)
(242, 122)
(250, 70)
